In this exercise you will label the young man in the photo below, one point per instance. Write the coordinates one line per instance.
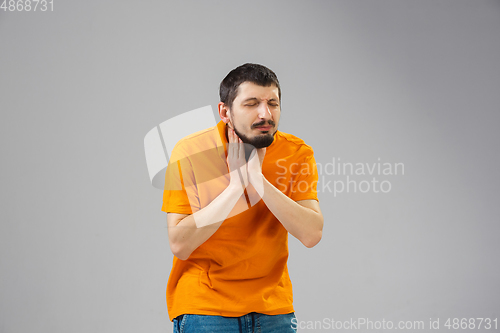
(233, 192)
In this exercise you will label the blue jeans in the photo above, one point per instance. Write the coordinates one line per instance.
(250, 323)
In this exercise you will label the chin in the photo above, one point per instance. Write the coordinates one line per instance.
(262, 141)
(259, 141)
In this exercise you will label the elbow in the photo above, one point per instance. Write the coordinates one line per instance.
(315, 237)
(179, 251)
(313, 240)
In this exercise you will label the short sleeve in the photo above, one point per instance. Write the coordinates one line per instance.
(306, 182)
(180, 193)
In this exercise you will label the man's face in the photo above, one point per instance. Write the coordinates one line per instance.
(255, 114)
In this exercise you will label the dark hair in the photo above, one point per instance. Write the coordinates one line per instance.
(255, 73)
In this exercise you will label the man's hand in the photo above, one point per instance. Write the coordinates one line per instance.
(236, 160)
(241, 172)
(255, 175)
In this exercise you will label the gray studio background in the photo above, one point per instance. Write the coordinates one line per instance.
(84, 244)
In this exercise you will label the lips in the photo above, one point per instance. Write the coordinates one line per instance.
(264, 128)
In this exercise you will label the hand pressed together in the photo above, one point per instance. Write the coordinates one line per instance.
(255, 176)
(241, 172)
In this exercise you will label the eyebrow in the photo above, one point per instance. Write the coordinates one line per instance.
(256, 99)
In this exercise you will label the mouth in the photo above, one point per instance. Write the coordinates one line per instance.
(263, 128)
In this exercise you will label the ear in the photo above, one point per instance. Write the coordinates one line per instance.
(224, 112)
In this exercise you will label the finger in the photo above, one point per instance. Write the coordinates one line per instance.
(262, 154)
(231, 148)
(234, 144)
(234, 140)
(241, 152)
(252, 155)
(253, 161)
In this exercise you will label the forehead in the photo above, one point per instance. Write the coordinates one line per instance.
(250, 89)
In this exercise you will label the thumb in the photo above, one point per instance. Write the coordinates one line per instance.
(252, 155)
(253, 159)
(262, 154)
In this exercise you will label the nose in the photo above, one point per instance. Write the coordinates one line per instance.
(264, 112)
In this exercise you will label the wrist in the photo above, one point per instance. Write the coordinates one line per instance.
(235, 186)
(257, 180)
(255, 176)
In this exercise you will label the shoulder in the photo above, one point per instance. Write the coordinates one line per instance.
(292, 142)
(196, 136)
(194, 143)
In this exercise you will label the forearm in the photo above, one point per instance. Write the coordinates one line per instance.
(193, 230)
(303, 223)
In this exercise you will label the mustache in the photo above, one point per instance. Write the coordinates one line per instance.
(262, 123)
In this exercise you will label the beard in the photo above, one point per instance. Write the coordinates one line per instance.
(262, 140)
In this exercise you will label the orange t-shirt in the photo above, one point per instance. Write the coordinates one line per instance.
(242, 267)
